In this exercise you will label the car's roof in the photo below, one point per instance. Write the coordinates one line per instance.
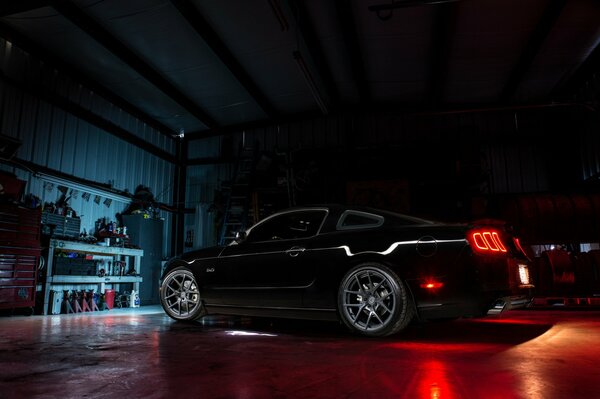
(337, 209)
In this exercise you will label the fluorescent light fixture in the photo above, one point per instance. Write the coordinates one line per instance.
(84, 188)
(310, 82)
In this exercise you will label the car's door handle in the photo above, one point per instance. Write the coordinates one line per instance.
(295, 251)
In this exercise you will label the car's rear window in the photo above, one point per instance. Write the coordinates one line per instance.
(359, 220)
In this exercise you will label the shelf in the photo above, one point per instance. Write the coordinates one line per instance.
(117, 253)
(94, 249)
(95, 279)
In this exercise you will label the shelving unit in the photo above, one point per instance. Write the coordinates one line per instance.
(118, 253)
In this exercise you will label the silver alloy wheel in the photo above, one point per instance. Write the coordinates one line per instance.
(180, 296)
(369, 299)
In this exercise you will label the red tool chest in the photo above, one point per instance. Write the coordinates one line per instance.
(19, 255)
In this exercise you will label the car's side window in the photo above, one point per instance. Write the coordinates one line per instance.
(300, 224)
(359, 220)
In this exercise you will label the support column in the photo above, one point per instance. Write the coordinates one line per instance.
(179, 191)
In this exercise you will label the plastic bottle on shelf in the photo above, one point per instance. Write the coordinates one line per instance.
(134, 300)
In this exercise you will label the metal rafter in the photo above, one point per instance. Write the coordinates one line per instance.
(346, 19)
(210, 37)
(15, 7)
(38, 51)
(536, 41)
(112, 44)
(315, 50)
(443, 32)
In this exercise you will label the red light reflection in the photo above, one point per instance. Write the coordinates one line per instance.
(442, 347)
(450, 371)
(434, 382)
(509, 320)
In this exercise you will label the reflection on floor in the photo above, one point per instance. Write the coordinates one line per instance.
(143, 353)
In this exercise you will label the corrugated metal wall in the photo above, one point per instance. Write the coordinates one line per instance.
(589, 147)
(202, 182)
(517, 146)
(519, 149)
(56, 139)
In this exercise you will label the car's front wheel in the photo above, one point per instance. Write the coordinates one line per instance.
(373, 301)
(180, 296)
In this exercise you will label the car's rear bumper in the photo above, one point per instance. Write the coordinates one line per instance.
(509, 302)
(493, 286)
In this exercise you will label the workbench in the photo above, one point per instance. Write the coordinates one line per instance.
(118, 254)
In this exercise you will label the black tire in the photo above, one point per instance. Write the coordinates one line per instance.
(373, 301)
(180, 295)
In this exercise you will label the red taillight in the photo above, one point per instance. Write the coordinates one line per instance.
(486, 241)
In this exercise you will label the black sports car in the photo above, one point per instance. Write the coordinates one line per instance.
(374, 270)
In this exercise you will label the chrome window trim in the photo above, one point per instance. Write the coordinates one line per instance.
(326, 210)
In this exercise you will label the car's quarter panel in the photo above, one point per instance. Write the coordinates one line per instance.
(401, 249)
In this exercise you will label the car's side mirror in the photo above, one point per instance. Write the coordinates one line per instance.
(240, 236)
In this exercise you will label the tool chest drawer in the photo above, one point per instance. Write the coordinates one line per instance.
(19, 255)
(19, 226)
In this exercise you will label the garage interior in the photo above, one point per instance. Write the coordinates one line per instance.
(134, 131)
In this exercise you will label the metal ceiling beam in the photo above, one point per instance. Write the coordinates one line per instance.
(112, 44)
(315, 50)
(210, 37)
(532, 48)
(443, 32)
(84, 114)
(348, 26)
(39, 52)
(16, 7)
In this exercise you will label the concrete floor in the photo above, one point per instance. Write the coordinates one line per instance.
(141, 353)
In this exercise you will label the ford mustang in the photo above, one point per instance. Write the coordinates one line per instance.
(374, 270)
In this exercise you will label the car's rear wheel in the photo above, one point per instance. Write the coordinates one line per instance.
(180, 295)
(373, 301)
